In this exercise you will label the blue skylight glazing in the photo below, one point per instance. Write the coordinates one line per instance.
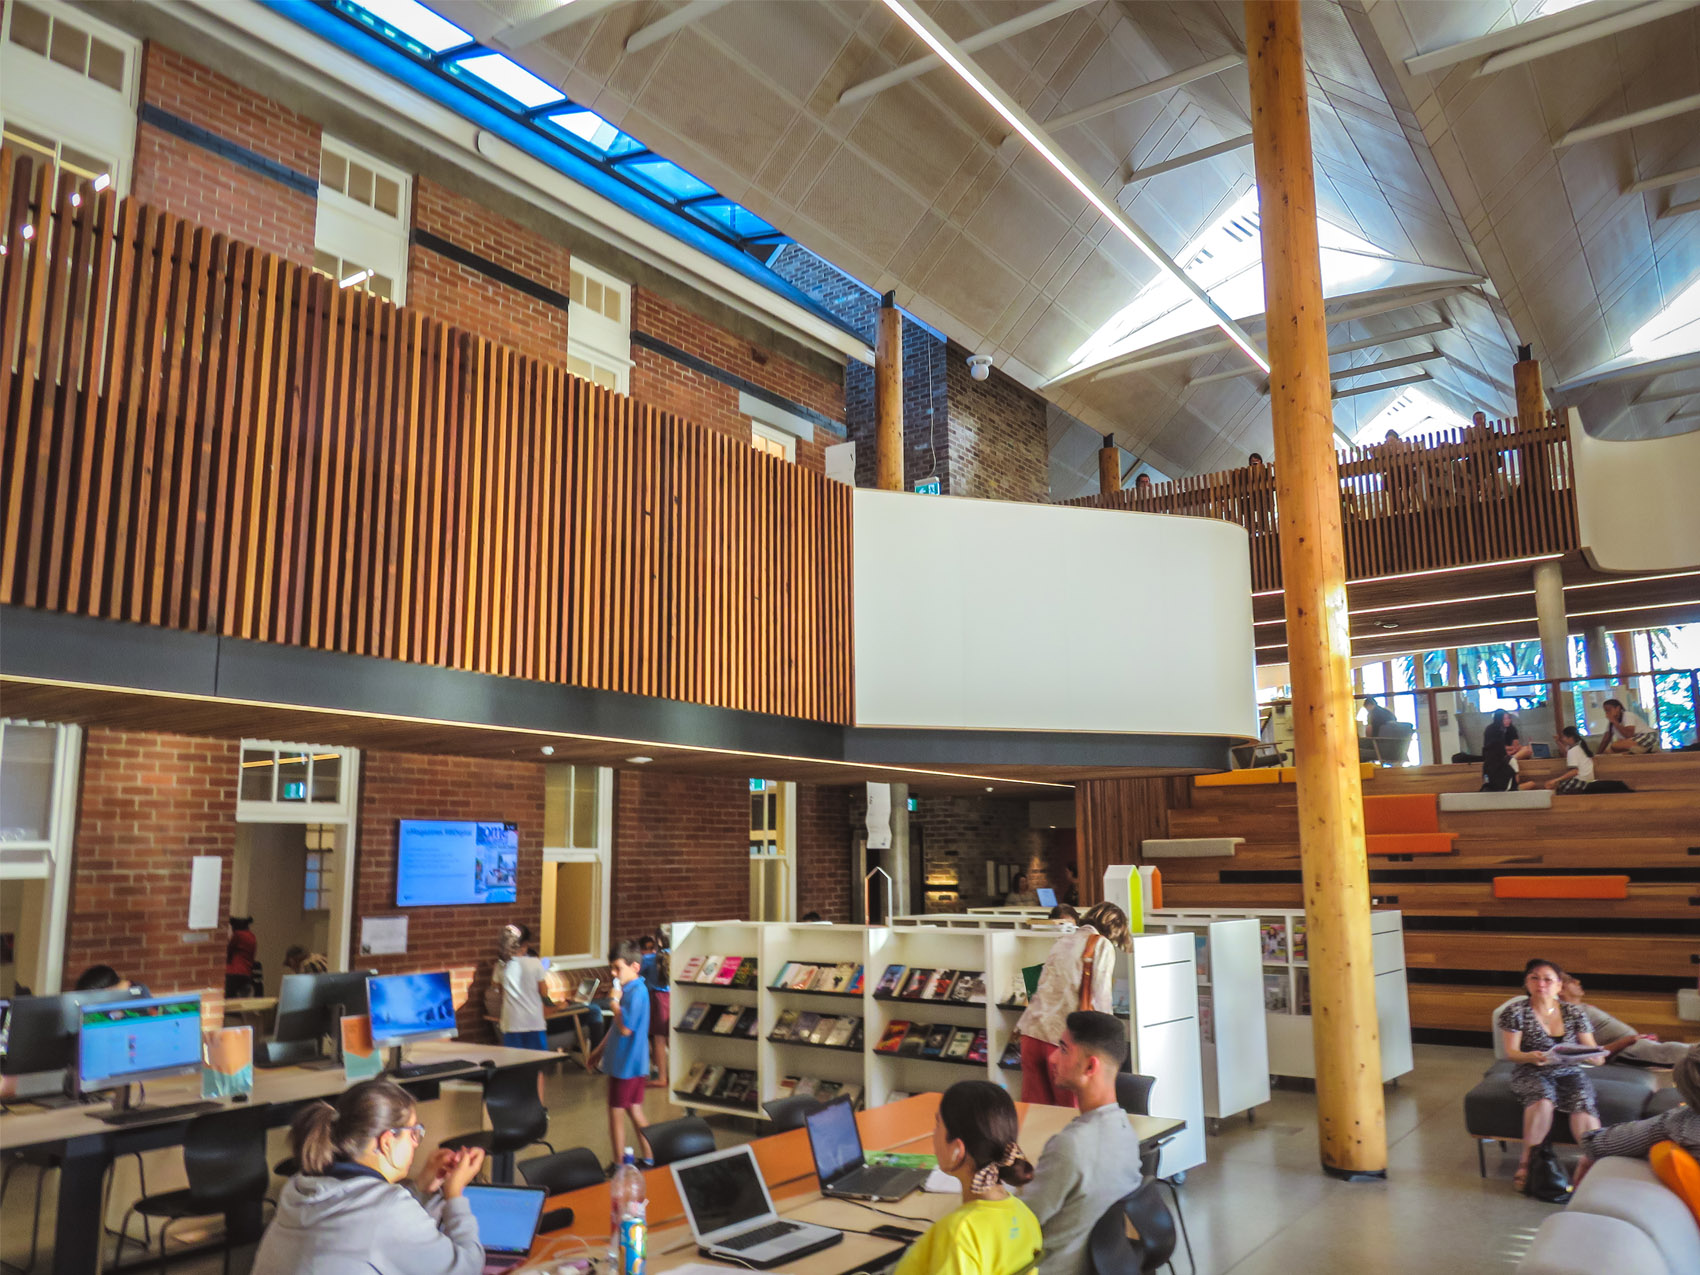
(410, 23)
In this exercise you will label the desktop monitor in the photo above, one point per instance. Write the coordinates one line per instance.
(309, 1004)
(41, 1031)
(5, 1024)
(148, 1039)
(407, 1008)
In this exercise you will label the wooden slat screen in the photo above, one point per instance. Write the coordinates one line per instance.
(204, 436)
(1440, 500)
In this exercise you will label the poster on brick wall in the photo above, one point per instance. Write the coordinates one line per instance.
(206, 872)
(879, 816)
(383, 936)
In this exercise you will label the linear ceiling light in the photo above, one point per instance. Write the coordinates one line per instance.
(953, 56)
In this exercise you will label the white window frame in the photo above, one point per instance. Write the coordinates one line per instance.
(601, 854)
(50, 859)
(788, 441)
(784, 851)
(355, 232)
(593, 336)
(85, 114)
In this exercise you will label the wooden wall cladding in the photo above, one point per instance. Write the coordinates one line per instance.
(1447, 499)
(203, 436)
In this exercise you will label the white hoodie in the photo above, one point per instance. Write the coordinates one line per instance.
(350, 1221)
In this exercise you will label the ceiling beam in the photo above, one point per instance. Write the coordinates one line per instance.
(1386, 365)
(1635, 372)
(1203, 70)
(1384, 385)
(671, 24)
(1664, 179)
(566, 14)
(1368, 342)
(1191, 157)
(1628, 19)
(968, 44)
(1635, 119)
(1577, 18)
(1680, 210)
(1664, 396)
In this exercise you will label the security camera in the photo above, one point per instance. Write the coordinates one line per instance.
(979, 366)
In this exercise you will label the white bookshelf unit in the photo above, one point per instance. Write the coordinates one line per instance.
(700, 940)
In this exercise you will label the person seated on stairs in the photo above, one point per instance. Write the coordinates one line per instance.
(1618, 1038)
(1626, 732)
(1502, 749)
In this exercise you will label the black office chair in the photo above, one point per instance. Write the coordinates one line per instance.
(789, 1113)
(679, 1139)
(224, 1154)
(518, 1119)
(1152, 1245)
(569, 1170)
(1133, 1095)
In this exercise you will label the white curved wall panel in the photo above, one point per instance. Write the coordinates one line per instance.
(996, 615)
(1635, 501)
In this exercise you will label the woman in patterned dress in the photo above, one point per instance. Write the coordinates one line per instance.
(1543, 1081)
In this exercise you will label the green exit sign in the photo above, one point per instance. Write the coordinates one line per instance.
(296, 791)
(927, 487)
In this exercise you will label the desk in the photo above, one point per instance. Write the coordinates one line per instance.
(788, 1168)
(87, 1147)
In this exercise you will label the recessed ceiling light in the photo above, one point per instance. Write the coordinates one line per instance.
(988, 787)
(640, 761)
(548, 750)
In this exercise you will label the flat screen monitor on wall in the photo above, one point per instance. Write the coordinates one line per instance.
(456, 861)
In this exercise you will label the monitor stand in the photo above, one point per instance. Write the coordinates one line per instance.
(332, 1060)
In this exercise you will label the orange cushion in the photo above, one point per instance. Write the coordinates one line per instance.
(1679, 1171)
(1410, 842)
(1402, 812)
(1238, 778)
(1561, 887)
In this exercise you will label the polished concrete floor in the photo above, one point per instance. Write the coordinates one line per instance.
(1260, 1206)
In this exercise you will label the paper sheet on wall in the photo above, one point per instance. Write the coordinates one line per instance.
(206, 872)
(383, 935)
(879, 816)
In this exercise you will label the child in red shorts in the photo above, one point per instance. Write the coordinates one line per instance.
(624, 1051)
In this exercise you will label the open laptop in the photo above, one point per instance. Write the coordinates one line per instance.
(507, 1222)
(585, 992)
(1047, 897)
(732, 1216)
(836, 1144)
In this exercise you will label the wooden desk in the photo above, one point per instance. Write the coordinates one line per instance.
(788, 1168)
(87, 1147)
(249, 1005)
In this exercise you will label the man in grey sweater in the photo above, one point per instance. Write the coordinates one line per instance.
(1091, 1162)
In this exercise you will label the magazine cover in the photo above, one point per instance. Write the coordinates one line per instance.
(919, 981)
(227, 1062)
(891, 1040)
(1275, 994)
(360, 1057)
(1299, 939)
(1274, 937)
(890, 981)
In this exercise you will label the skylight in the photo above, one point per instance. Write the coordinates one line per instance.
(412, 19)
(591, 129)
(507, 76)
(1673, 330)
(1413, 412)
(1226, 261)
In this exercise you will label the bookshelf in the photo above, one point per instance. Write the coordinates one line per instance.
(824, 947)
(699, 1051)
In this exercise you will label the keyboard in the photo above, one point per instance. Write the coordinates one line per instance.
(150, 1115)
(419, 1071)
(761, 1235)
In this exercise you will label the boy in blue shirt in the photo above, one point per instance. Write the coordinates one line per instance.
(624, 1051)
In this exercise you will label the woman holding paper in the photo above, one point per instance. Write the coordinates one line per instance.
(1548, 1040)
(1080, 973)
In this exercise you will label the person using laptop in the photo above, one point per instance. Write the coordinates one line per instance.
(844, 1172)
(1092, 1161)
(346, 1212)
(992, 1232)
(507, 1222)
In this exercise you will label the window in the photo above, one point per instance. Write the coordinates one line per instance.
(578, 834)
(773, 442)
(38, 810)
(68, 91)
(360, 236)
(599, 328)
(773, 887)
(293, 783)
(317, 892)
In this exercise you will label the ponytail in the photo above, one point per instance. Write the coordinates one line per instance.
(982, 1117)
(322, 1134)
(1575, 737)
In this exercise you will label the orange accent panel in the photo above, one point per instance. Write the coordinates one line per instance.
(1410, 842)
(1561, 887)
(1402, 812)
(1238, 778)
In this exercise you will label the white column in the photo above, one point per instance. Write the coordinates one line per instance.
(1549, 619)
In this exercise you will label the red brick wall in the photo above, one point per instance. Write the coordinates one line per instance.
(473, 300)
(150, 803)
(673, 387)
(460, 939)
(681, 850)
(823, 852)
(998, 447)
(182, 178)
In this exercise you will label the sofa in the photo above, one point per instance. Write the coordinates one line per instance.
(1621, 1218)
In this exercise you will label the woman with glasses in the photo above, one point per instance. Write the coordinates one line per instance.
(346, 1212)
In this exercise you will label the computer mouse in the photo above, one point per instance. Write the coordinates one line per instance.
(487, 1062)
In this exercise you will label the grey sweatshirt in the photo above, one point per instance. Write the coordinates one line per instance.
(1089, 1164)
(362, 1225)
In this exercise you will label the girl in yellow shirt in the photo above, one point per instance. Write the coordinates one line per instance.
(992, 1233)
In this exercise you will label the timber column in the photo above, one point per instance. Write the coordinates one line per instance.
(888, 396)
(1351, 1116)
(1109, 466)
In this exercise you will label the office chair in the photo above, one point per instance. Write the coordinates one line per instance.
(518, 1119)
(1152, 1245)
(1133, 1095)
(224, 1155)
(569, 1170)
(789, 1113)
(679, 1139)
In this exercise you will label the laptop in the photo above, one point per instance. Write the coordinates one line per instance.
(585, 992)
(836, 1144)
(731, 1213)
(507, 1222)
(1047, 897)
(1540, 751)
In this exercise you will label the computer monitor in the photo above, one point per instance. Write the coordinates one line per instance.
(5, 1024)
(148, 1039)
(41, 1031)
(308, 1005)
(407, 1008)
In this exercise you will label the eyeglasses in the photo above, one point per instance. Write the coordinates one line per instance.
(417, 1130)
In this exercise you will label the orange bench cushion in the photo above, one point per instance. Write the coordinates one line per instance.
(1238, 778)
(1410, 842)
(1561, 887)
(1403, 812)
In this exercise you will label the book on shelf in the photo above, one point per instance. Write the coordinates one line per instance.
(960, 1040)
(834, 978)
(856, 982)
(693, 1016)
(739, 1088)
(1011, 1054)
(890, 981)
(916, 985)
(727, 1023)
(1275, 1000)
(710, 1081)
(937, 1038)
(938, 987)
(851, 1091)
(1301, 976)
(783, 980)
(692, 967)
(805, 1030)
(978, 1047)
(1206, 1018)
(1273, 936)
(1297, 942)
(804, 978)
(693, 1077)
(746, 975)
(839, 1036)
(969, 988)
(706, 971)
(786, 1088)
(728, 970)
(827, 1090)
(1018, 997)
(1201, 955)
(749, 1022)
(891, 1039)
(805, 1087)
(822, 1029)
(914, 1040)
(785, 1025)
(856, 1038)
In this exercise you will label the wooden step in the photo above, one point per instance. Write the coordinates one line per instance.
(1497, 803)
(1188, 847)
(1661, 901)
(1465, 1007)
(1662, 955)
(1424, 843)
(1475, 853)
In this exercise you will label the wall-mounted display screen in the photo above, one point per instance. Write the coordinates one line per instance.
(456, 861)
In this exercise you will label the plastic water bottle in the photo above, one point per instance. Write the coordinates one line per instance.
(628, 1203)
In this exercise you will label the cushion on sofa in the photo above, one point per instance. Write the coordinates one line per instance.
(1678, 1171)
(1643, 1201)
(1491, 1110)
(1589, 1244)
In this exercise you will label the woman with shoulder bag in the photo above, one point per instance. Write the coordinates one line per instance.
(1079, 974)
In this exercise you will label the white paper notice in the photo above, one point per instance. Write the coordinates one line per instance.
(383, 935)
(206, 872)
(879, 816)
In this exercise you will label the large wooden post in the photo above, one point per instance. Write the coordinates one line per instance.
(1351, 1117)
(1109, 466)
(888, 396)
(1526, 381)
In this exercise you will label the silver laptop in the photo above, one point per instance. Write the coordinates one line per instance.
(731, 1213)
(836, 1145)
(507, 1222)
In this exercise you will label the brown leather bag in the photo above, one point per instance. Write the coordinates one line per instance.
(1088, 958)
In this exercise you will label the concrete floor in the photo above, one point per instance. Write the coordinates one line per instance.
(1260, 1206)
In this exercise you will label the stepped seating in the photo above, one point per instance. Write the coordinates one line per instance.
(1496, 802)
(1189, 847)
(1403, 843)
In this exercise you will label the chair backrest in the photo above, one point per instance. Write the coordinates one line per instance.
(1114, 1252)
(567, 1170)
(789, 1113)
(1493, 1026)
(510, 1096)
(224, 1155)
(679, 1139)
(1394, 742)
(1133, 1092)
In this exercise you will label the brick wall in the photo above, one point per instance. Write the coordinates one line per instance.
(472, 299)
(681, 849)
(961, 835)
(998, 444)
(673, 387)
(461, 939)
(187, 179)
(149, 804)
(823, 852)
